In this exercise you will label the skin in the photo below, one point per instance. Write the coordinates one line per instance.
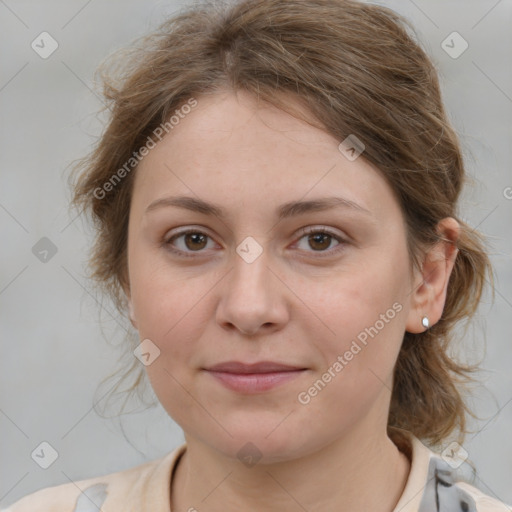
(300, 302)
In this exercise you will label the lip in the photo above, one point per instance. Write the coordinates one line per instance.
(259, 367)
(255, 377)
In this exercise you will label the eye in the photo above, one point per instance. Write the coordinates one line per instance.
(192, 240)
(320, 239)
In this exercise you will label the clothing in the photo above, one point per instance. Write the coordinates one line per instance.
(431, 487)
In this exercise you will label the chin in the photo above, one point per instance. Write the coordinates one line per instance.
(262, 441)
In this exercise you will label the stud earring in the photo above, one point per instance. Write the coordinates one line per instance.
(425, 322)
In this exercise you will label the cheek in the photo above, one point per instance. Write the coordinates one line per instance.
(364, 311)
(166, 301)
(169, 310)
(358, 363)
(161, 293)
(355, 298)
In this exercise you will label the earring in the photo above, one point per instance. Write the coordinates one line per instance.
(425, 322)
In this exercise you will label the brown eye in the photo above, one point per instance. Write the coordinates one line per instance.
(188, 242)
(320, 240)
(195, 241)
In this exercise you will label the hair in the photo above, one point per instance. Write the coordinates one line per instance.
(359, 71)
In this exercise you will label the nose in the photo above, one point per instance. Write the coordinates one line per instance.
(253, 298)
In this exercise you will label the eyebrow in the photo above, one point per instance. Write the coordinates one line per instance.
(290, 209)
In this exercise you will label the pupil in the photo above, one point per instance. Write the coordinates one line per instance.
(318, 238)
(197, 238)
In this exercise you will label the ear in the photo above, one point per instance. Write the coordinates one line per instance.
(431, 283)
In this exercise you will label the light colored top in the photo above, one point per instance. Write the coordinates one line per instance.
(432, 486)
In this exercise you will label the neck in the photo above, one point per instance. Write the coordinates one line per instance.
(359, 472)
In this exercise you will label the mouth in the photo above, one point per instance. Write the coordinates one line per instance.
(253, 378)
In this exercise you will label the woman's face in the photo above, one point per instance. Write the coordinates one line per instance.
(249, 285)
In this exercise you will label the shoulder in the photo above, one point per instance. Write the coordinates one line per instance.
(65, 497)
(445, 489)
(483, 502)
(123, 490)
(435, 484)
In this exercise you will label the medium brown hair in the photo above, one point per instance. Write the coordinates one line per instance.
(359, 71)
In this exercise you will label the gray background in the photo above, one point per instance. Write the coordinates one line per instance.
(54, 351)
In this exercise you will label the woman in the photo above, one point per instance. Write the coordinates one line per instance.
(276, 197)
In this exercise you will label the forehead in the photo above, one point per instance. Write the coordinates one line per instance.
(235, 151)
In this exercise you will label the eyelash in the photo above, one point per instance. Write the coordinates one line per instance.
(303, 232)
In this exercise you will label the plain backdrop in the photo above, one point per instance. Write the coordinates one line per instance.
(55, 351)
